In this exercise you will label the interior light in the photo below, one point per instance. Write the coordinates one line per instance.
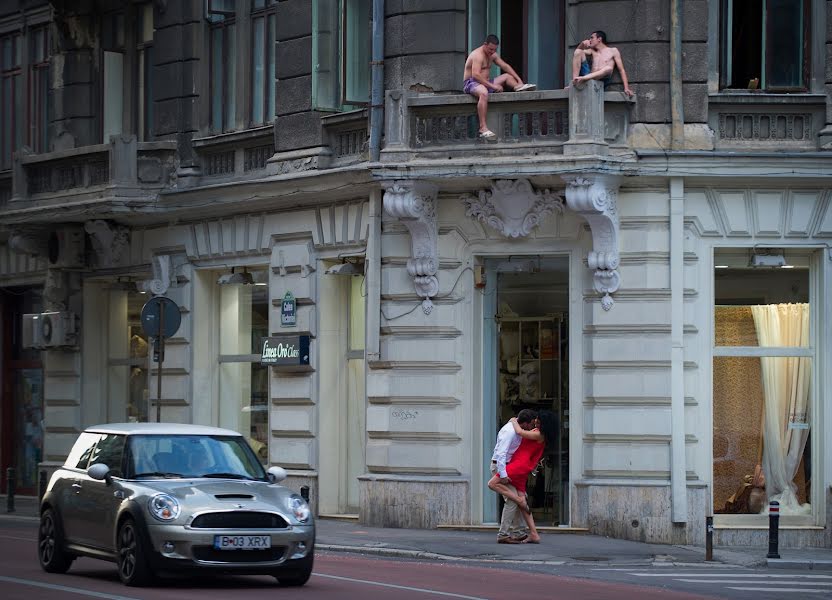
(244, 278)
(720, 266)
(787, 266)
(770, 260)
(346, 268)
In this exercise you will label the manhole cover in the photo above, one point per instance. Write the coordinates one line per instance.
(590, 558)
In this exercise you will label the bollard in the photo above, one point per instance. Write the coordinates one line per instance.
(41, 485)
(10, 489)
(773, 529)
(304, 492)
(709, 538)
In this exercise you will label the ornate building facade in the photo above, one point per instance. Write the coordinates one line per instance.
(654, 270)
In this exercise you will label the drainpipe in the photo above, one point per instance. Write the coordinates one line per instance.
(678, 463)
(377, 83)
(677, 111)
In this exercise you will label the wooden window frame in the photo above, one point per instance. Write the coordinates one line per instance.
(267, 98)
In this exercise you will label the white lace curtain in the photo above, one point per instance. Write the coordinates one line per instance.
(786, 398)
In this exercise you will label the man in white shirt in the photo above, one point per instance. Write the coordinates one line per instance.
(512, 525)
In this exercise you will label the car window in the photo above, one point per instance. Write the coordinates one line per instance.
(81, 451)
(192, 456)
(108, 451)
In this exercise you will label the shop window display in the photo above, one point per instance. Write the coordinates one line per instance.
(762, 373)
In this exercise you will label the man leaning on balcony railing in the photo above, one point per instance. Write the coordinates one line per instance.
(478, 84)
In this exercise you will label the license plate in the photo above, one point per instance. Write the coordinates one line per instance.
(242, 542)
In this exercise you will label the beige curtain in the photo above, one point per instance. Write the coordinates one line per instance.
(786, 399)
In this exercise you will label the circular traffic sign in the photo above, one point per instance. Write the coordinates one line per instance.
(152, 313)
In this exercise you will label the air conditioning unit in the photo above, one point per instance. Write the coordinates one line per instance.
(66, 247)
(50, 330)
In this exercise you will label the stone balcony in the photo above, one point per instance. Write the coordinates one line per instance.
(96, 181)
(585, 121)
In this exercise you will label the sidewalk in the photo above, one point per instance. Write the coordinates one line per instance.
(555, 548)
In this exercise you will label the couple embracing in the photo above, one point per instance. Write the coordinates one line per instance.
(519, 448)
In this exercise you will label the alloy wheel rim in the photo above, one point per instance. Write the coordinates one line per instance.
(127, 551)
(47, 540)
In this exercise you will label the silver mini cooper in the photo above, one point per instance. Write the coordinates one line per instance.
(161, 498)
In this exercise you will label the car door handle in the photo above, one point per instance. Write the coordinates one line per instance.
(119, 494)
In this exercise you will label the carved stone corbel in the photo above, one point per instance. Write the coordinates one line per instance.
(595, 198)
(414, 204)
(161, 281)
(512, 207)
(109, 241)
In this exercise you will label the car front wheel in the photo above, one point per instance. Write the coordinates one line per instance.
(53, 558)
(296, 575)
(133, 567)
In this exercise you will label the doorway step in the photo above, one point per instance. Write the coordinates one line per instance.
(495, 528)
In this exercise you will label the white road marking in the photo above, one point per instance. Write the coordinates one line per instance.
(779, 590)
(63, 588)
(815, 583)
(758, 575)
(399, 587)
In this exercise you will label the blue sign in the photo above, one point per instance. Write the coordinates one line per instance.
(288, 311)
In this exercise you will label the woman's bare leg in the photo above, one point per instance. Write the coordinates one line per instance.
(503, 490)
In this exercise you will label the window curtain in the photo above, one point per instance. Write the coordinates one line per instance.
(786, 394)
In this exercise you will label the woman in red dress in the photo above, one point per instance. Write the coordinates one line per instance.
(523, 462)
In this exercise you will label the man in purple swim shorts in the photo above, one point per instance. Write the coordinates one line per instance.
(477, 83)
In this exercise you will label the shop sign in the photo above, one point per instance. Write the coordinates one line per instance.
(288, 311)
(285, 350)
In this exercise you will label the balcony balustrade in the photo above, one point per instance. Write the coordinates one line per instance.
(107, 171)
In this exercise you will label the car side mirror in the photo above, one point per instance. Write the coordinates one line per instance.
(99, 471)
(276, 474)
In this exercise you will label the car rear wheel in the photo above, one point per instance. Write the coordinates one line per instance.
(133, 568)
(298, 574)
(53, 558)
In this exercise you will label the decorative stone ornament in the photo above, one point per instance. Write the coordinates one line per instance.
(512, 207)
(414, 204)
(110, 242)
(595, 197)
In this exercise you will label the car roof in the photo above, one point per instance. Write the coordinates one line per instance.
(159, 429)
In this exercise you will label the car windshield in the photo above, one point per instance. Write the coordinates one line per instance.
(188, 456)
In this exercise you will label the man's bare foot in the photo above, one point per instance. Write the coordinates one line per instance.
(531, 540)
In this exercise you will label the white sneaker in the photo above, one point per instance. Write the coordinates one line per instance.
(487, 135)
(526, 87)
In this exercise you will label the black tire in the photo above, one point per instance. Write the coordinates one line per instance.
(51, 554)
(297, 574)
(131, 552)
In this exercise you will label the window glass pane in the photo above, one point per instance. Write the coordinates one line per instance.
(270, 72)
(357, 51)
(325, 55)
(81, 451)
(749, 300)
(244, 386)
(230, 83)
(108, 451)
(762, 427)
(28, 425)
(216, 78)
(146, 23)
(784, 37)
(258, 54)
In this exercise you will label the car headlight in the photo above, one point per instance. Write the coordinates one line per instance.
(299, 508)
(164, 507)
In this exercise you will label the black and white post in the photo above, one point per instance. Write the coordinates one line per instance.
(773, 529)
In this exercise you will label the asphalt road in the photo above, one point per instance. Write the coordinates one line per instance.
(347, 576)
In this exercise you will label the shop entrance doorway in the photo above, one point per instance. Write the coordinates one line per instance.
(529, 369)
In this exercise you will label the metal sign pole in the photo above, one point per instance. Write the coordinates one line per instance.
(161, 340)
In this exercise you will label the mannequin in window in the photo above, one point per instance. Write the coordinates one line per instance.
(138, 346)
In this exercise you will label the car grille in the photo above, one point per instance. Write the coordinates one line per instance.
(239, 520)
(209, 554)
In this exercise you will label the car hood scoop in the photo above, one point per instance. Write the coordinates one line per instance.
(233, 496)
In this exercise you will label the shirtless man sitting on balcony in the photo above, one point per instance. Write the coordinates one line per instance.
(593, 59)
(477, 83)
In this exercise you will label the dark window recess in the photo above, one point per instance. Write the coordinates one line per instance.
(256, 158)
(765, 45)
(239, 520)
